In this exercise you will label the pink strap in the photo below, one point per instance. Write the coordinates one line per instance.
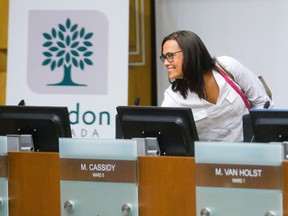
(232, 84)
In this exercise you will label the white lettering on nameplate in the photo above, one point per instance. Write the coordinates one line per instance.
(239, 174)
(100, 168)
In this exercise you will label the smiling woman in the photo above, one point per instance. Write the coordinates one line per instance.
(198, 83)
(172, 59)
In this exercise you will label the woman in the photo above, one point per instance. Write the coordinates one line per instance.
(196, 82)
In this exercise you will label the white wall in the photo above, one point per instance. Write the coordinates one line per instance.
(254, 32)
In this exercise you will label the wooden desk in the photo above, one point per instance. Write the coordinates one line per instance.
(166, 185)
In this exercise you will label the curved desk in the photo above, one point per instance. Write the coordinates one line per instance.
(166, 185)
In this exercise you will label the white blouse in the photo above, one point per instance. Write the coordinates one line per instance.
(222, 121)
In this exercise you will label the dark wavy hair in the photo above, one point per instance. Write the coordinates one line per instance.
(196, 62)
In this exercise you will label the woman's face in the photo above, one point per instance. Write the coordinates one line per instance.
(173, 59)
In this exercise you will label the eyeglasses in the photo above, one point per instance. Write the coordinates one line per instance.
(169, 56)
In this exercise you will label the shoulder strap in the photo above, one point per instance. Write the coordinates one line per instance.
(232, 84)
(221, 66)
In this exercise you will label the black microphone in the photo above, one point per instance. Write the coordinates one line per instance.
(21, 103)
(266, 105)
(136, 101)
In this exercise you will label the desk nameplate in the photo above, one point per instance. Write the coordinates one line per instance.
(121, 171)
(239, 176)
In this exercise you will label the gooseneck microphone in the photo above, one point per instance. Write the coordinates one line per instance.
(21, 103)
(266, 105)
(136, 101)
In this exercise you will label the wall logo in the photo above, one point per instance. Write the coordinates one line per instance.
(67, 47)
(68, 52)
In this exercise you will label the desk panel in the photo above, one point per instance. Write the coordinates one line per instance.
(34, 184)
(166, 186)
(285, 187)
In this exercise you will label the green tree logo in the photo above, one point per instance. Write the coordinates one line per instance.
(67, 47)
